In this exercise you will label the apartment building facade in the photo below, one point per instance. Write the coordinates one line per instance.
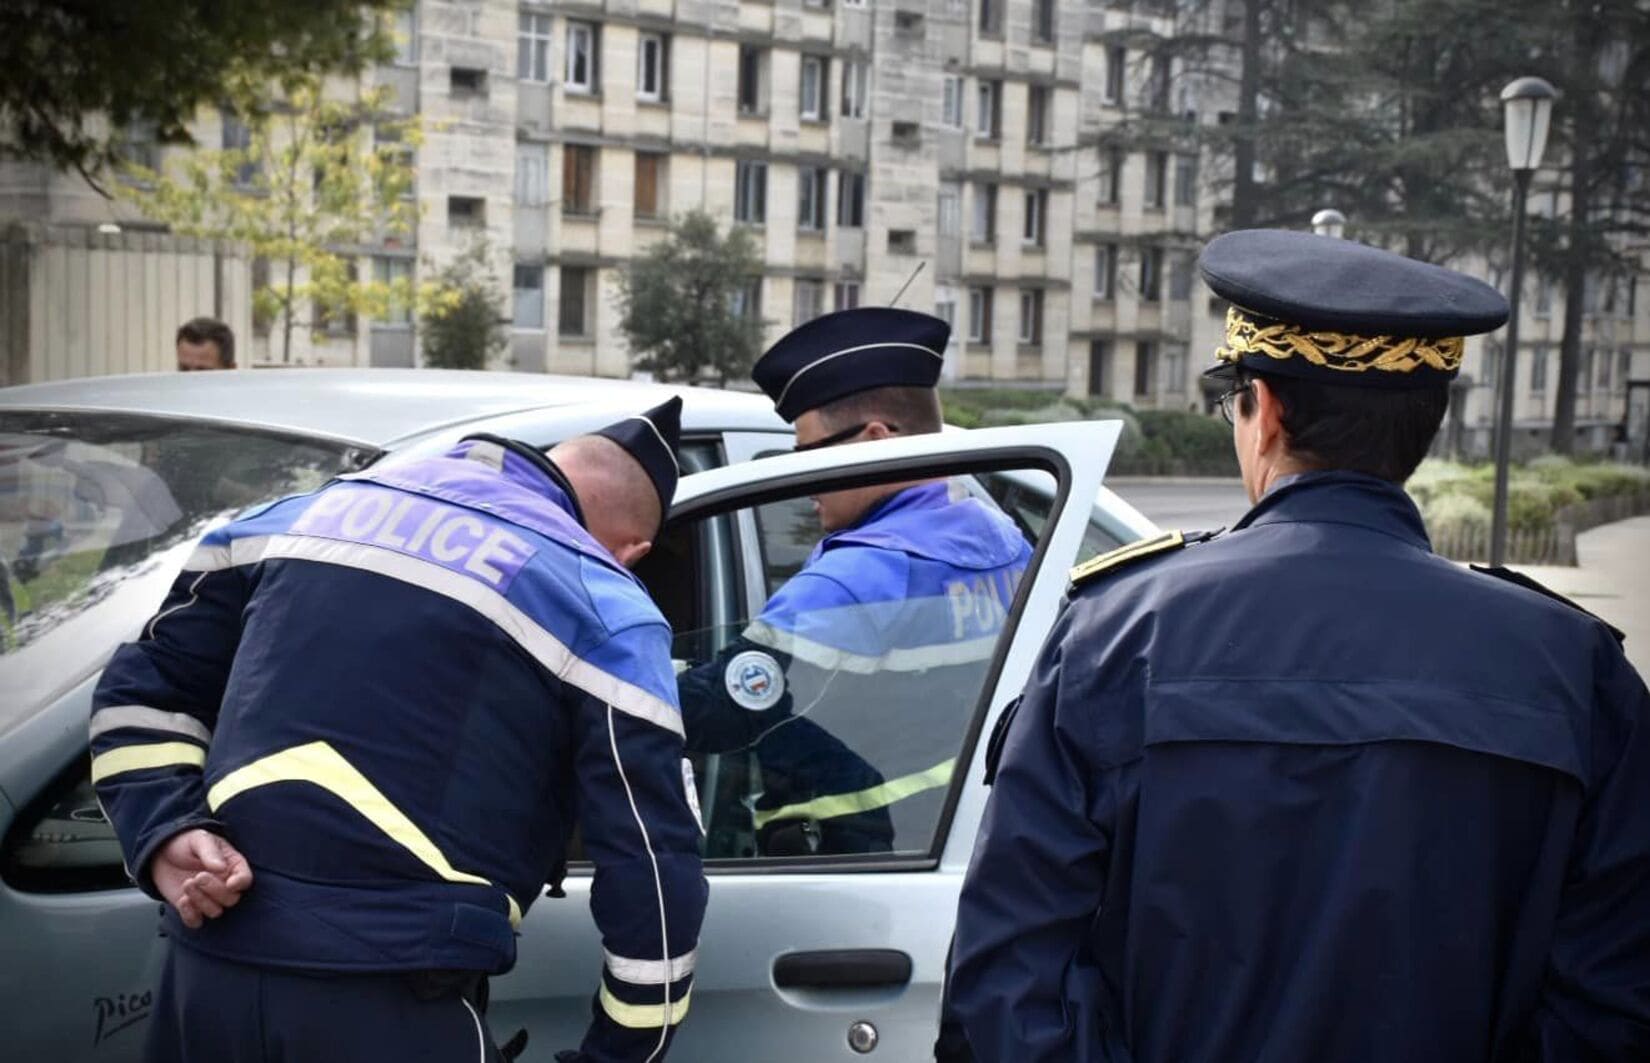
(978, 158)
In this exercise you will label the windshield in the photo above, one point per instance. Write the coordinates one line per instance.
(90, 502)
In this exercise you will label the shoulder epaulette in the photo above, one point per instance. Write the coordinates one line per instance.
(1529, 584)
(1113, 560)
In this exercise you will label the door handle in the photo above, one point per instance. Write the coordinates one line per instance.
(842, 969)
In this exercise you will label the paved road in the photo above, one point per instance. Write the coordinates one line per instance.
(1613, 580)
(1190, 505)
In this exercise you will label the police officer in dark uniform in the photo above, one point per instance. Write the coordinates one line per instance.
(1307, 791)
(852, 665)
(349, 752)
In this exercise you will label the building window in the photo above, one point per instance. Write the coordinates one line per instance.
(1174, 368)
(466, 212)
(850, 199)
(1158, 89)
(1624, 369)
(1145, 368)
(1117, 61)
(906, 135)
(335, 319)
(1105, 271)
(985, 214)
(532, 174)
(810, 198)
(945, 308)
(746, 301)
(533, 47)
(237, 136)
(979, 315)
(653, 67)
(1157, 169)
(950, 209)
(465, 82)
(1042, 21)
(394, 273)
(991, 17)
(528, 293)
(952, 112)
(1490, 364)
(902, 241)
(750, 192)
(856, 88)
(1037, 114)
(1111, 176)
(405, 34)
(753, 64)
(1604, 366)
(1185, 180)
(815, 79)
(578, 179)
(651, 170)
(1151, 274)
(1180, 277)
(581, 56)
(1031, 316)
(572, 313)
(989, 120)
(845, 295)
(1036, 217)
(1543, 296)
(1538, 370)
(1099, 367)
(810, 301)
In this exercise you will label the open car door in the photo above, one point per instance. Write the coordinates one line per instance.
(814, 948)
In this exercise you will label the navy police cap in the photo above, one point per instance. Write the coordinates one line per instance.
(652, 438)
(850, 351)
(1338, 311)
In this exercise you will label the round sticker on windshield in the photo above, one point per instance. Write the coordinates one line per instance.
(755, 681)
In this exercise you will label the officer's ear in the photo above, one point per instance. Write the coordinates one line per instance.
(630, 554)
(1268, 417)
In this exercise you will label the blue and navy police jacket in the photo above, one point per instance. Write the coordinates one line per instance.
(1310, 792)
(841, 684)
(396, 696)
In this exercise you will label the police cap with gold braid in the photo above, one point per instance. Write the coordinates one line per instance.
(1340, 312)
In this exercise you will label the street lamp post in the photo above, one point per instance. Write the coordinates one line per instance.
(1329, 222)
(1528, 107)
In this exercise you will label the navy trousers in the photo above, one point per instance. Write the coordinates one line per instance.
(215, 1011)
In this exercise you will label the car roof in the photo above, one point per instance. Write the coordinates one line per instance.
(382, 407)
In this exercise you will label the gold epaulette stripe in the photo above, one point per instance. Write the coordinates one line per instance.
(1105, 562)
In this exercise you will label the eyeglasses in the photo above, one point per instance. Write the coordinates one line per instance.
(1226, 401)
(842, 437)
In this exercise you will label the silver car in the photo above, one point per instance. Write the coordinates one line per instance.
(104, 484)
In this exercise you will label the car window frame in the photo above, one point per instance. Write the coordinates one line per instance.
(1008, 454)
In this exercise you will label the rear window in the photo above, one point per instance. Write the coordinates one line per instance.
(89, 501)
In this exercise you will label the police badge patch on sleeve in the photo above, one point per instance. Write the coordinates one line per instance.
(754, 680)
(692, 788)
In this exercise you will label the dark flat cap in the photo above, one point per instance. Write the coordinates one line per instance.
(652, 438)
(850, 351)
(1335, 310)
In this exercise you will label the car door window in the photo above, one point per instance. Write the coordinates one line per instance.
(829, 720)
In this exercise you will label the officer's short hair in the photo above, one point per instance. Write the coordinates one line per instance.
(915, 411)
(210, 330)
(1379, 431)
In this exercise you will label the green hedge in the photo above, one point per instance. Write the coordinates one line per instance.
(1453, 496)
(1153, 443)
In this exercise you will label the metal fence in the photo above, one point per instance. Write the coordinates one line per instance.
(1554, 544)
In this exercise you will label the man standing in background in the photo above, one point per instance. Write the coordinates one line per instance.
(205, 343)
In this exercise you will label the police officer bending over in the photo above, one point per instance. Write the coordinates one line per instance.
(349, 750)
(862, 656)
(1308, 791)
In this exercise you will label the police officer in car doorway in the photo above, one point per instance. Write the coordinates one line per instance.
(1308, 791)
(351, 748)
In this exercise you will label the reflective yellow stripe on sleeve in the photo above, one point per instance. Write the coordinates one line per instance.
(320, 765)
(152, 755)
(863, 800)
(643, 1016)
